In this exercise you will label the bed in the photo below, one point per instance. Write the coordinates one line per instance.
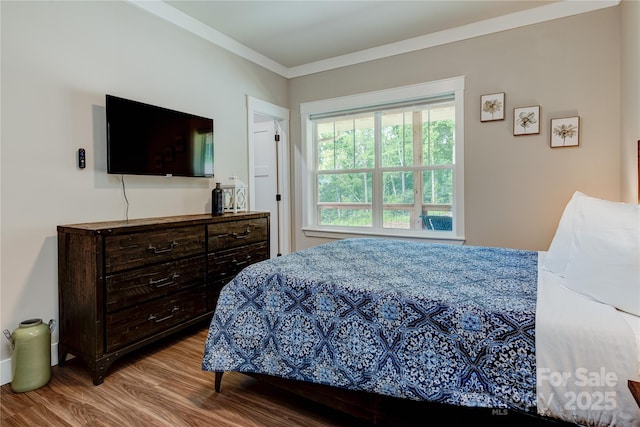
(457, 325)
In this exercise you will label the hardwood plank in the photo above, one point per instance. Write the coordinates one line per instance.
(18, 402)
(38, 415)
(162, 385)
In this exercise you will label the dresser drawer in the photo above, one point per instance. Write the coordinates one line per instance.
(137, 286)
(228, 263)
(135, 323)
(126, 251)
(232, 234)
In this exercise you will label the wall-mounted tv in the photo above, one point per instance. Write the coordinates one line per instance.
(144, 139)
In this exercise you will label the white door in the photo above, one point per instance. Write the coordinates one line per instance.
(269, 169)
(265, 170)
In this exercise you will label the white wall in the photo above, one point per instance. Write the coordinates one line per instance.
(515, 186)
(630, 99)
(59, 59)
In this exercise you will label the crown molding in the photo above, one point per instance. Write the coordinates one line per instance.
(561, 9)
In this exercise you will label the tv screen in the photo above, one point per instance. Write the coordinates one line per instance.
(144, 139)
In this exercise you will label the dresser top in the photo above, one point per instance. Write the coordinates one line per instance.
(156, 222)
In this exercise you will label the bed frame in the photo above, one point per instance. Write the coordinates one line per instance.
(388, 411)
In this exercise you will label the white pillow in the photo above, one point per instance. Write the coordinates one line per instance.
(557, 257)
(604, 261)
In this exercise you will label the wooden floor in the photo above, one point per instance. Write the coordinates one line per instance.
(164, 385)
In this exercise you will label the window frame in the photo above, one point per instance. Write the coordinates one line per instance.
(383, 98)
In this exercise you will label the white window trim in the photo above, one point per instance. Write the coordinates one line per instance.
(452, 85)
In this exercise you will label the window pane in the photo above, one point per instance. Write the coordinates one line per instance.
(364, 143)
(438, 186)
(346, 217)
(325, 136)
(344, 188)
(438, 125)
(397, 187)
(396, 219)
(397, 138)
(346, 143)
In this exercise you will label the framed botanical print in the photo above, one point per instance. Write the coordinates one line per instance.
(492, 107)
(526, 120)
(565, 132)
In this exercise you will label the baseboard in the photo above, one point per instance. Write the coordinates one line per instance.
(5, 365)
(5, 371)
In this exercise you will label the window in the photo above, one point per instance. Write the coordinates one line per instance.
(386, 163)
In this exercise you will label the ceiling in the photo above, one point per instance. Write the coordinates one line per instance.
(295, 38)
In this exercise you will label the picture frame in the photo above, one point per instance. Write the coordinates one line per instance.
(492, 107)
(526, 120)
(565, 132)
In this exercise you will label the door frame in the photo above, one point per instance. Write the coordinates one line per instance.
(280, 115)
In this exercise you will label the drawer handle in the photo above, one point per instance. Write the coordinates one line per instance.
(161, 283)
(243, 235)
(239, 263)
(162, 319)
(162, 251)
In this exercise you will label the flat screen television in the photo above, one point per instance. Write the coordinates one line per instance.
(144, 139)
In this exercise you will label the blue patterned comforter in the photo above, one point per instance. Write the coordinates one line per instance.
(446, 323)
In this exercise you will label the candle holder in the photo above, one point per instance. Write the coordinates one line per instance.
(235, 195)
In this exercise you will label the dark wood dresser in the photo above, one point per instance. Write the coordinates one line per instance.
(126, 284)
